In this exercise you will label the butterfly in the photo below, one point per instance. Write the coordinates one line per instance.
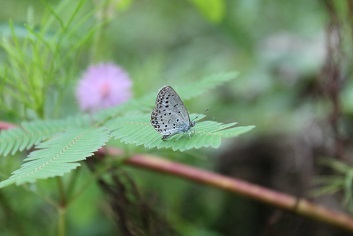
(170, 116)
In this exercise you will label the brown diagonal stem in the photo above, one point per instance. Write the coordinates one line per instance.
(287, 202)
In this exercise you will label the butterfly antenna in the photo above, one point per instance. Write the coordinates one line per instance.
(198, 116)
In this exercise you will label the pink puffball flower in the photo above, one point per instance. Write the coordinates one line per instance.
(103, 85)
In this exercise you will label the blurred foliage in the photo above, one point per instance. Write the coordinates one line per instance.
(340, 180)
(40, 60)
(278, 46)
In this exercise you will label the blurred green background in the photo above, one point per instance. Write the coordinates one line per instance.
(280, 49)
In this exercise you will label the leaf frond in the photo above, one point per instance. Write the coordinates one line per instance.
(138, 130)
(185, 91)
(29, 134)
(59, 155)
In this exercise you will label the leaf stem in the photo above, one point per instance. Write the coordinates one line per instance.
(61, 207)
(87, 184)
(72, 182)
(61, 221)
(62, 200)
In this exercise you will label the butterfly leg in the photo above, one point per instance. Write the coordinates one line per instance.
(170, 135)
(191, 131)
(167, 136)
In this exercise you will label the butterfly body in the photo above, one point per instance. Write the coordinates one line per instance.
(170, 116)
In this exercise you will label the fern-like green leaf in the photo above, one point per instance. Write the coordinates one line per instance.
(138, 130)
(29, 134)
(59, 155)
(186, 91)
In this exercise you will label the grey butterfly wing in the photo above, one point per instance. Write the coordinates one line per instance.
(162, 125)
(170, 115)
(172, 102)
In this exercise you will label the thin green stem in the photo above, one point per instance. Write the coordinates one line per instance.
(61, 208)
(98, 36)
(42, 196)
(72, 182)
(96, 174)
(95, 44)
(61, 221)
(62, 200)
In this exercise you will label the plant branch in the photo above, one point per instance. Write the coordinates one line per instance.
(6, 125)
(299, 206)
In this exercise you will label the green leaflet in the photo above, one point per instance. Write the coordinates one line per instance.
(185, 91)
(59, 155)
(138, 130)
(31, 133)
